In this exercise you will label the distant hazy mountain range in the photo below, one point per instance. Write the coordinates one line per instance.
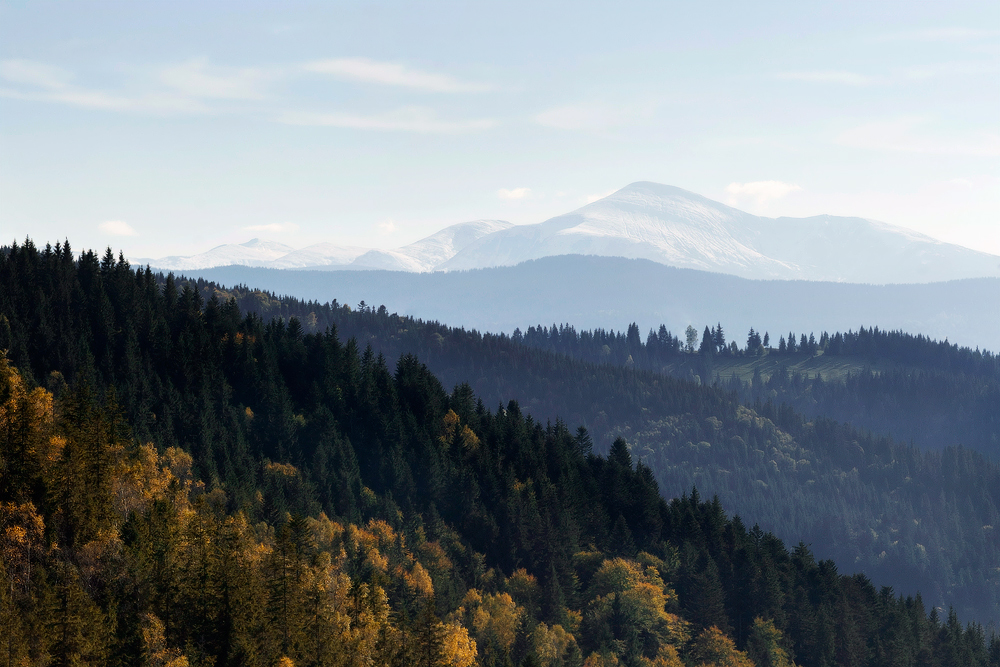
(611, 292)
(427, 254)
(661, 223)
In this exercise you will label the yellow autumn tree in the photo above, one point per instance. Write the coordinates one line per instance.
(454, 433)
(26, 419)
(764, 645)
(666, 657)
(22, 535)
(458, 649)
(494, 620)
(624, 588)
(155, 652)
(551, 645)
(596, 659)
(714, 649)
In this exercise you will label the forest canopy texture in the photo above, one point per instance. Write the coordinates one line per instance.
(182, 482)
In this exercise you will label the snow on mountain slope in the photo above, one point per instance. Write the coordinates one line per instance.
(672, 226)
(430, 252)
(660, 223)
(255, 252)
(319, 254)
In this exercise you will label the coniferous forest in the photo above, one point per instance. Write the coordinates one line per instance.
(193, 476)
(920, 521)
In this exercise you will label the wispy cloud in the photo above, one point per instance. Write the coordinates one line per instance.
(33, 73)
(406, 119)
(197, 78)
(117, 228)
(515, 193)
(276, 227)
(761, 192)
(386, 227)
(907, 135)
(196, 86)
(829, 76)
(45, 83)
(949, 69)
(392, 74)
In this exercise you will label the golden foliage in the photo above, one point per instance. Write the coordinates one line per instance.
(26, 419)
(666, 657)
(640, 595)
(419, 580)
(551, 644)
(22, 534)
(282, 469)
(155, 652)
(449, 429)
(497, 616)
(714, 649)
(523, 586)
(601, 660)
(764, 645)
(458, 649)
(22, 413)
(453, 432)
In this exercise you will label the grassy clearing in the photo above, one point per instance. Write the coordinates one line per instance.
(827, 366)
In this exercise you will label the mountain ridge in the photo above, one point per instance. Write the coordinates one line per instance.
(612, 292)
(661, 223)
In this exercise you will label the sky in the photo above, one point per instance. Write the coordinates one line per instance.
(170, 128)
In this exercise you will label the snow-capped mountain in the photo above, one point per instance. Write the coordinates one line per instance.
(431, 252)
(424, 255)
(660, 223)
(319, 254)
(672, 226)
(255, 252)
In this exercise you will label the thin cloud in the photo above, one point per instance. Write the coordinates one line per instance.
(829, 76)
(33, 73)
(949, 69)
(196, 78)
(515, 193)
(407, 119)
(44, 83)
(386, 227)
(392, 74)
(276, 227)
(906, 135)
(117, 228)
(761, 192)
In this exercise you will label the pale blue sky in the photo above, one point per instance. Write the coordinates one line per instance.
(168, 128)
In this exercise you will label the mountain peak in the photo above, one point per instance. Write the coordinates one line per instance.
(646, 220)
(673, 226)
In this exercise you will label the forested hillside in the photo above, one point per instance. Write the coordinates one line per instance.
(594, 292)
(931, 393)
(528, 544)
(918, 521)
